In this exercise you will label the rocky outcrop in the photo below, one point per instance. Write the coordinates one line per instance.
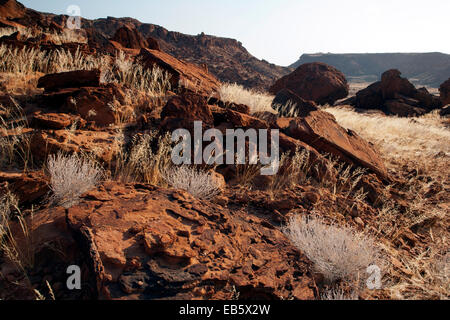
(72, 79)
(320, 130)
(226, 59)
(164, 244)
(104, 145)
(182, 111)
(183, 74)
(317, 82)
(129, 38)
(289, 104)
(395, 95)
(444, 91)
(29, 187)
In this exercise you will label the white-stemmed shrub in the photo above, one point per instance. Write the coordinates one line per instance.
(70, 177)
(337, 252)
(201, 184)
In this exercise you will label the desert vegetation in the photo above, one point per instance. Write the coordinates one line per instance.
(85, 146)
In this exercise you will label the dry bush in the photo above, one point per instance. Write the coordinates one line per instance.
(338, 294)
(58, 38)
(288, 110)
(337, 252)
(256, 101)
(14, 138)
(141, 163)
(121, 69)
(293, 170)
(200, 184)
(133, 74)
(16, 238)
(70, 177)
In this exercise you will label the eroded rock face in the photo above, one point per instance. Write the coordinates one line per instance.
(103, 144)
(151, 243)
(129, 38)
(321, 131)
(182, 111)
(444, 90)
(28, 187)
(183, 74)
(317, 82)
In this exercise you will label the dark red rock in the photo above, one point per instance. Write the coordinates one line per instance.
(444, 90)
(182, 111)
(320, 130)
(71, 79)
(157, 248)
(297, 106)
(129, 38)
(316, 81)
(183, 74)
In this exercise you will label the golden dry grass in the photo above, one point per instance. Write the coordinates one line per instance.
(256, 101)
(416, 150)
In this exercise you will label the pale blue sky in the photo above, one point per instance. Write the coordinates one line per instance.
(281, 30)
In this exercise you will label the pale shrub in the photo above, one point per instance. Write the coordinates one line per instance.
(338, 294)
(256, 101)
(337, 252)
(70, 177)
(200, 184)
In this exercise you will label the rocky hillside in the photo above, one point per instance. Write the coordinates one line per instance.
(425, 69)
(227, 59)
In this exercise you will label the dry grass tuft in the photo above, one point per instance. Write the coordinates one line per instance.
(256, 101)
(140, 163)
(16, 239)
(339, 295)
(14, 138)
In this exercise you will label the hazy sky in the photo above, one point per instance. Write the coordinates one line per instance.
(281, 30)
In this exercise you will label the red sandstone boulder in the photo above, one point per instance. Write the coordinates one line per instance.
(402, 108)
(183, 74)
(104, 145)
(182, 111)
(103, 105)
(71, 79)
(55, 120)
(320, 130)
(395, 95)
(317, 82)
(370, 97)
(164, 244)
(289, 104)
(444, 90)
(27, 187)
